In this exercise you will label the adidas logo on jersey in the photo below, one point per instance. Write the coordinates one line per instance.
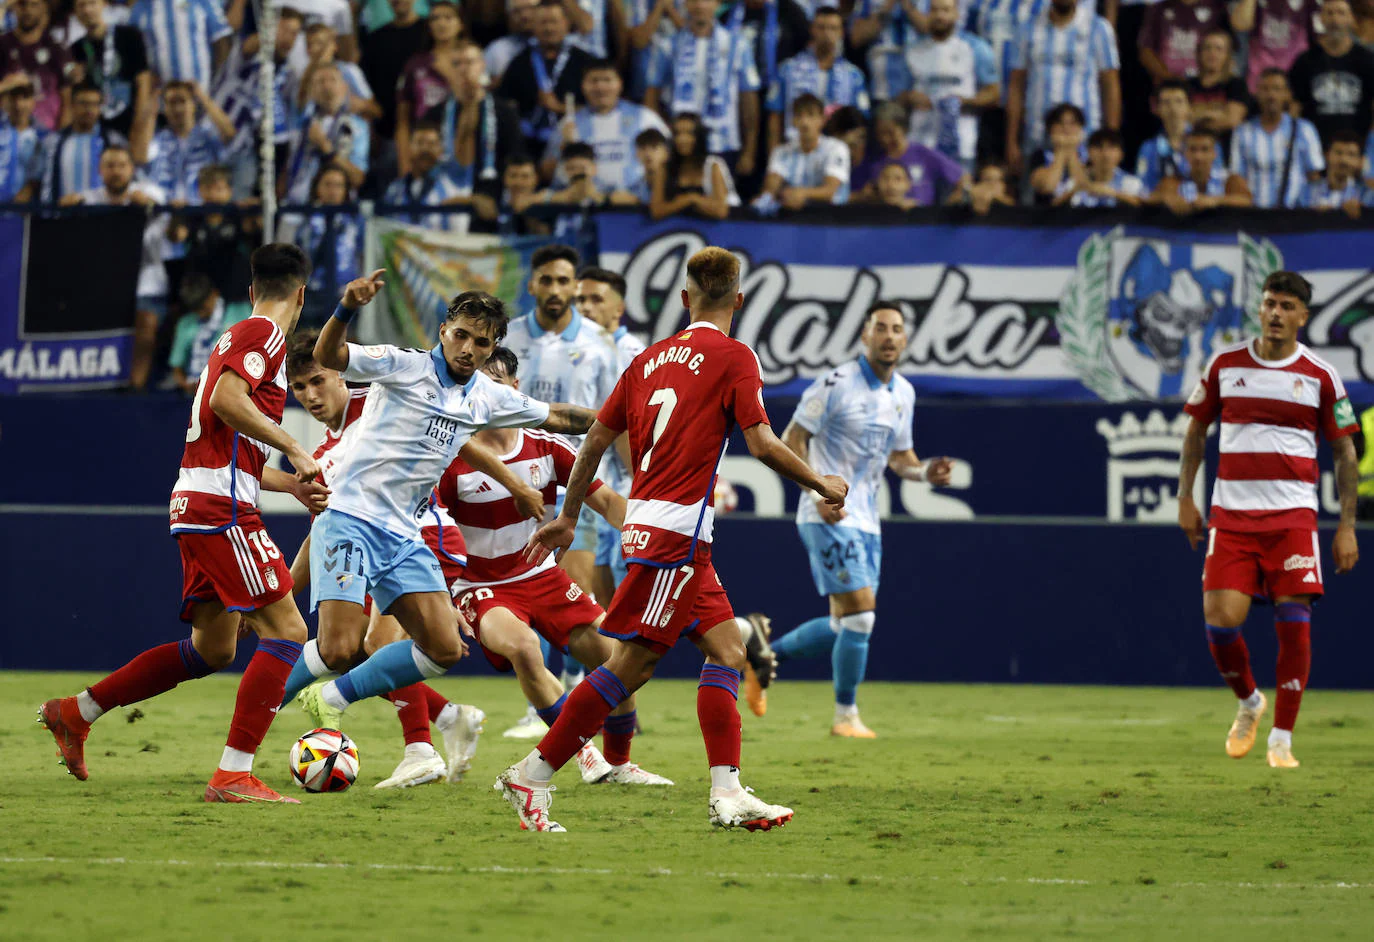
(484, 487)
(1310, 577)
(1293, 684)
(1239, 384)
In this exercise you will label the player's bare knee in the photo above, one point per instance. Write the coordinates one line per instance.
(443, 652)
(217, 653)
(730, 655)
(338, 653)
(527, 658)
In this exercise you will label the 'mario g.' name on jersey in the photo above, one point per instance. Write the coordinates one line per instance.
(678, 402)
(856, 421)
(221, 470)
(416, 419)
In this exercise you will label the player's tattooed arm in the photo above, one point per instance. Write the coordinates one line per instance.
(331, 349)
(1190, 460)
(1344, 548)
(568, 419)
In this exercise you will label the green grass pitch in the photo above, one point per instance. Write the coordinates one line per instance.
(982, 812)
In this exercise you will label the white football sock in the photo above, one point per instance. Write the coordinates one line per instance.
(1281, 737)
(447, 716)
(330, 695)
(845, 711)
(310, 654)
(234, 760)
(537, 770)
(420, 750)
(90, 710)
(1252, 702)
(725, 778)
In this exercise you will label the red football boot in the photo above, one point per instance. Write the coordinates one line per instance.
(240, 787)
(63, 719)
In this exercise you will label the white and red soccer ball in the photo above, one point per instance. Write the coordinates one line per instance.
(324, 760)
(726, 498)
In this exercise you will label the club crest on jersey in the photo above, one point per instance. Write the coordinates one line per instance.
(270, 576)
(1298, 389)
(536, 475)
(255, 365)
(1141, 317)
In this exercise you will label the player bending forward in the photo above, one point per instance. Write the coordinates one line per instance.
(231, 569)
(1272, 396)
(854, 421)
(326, 396)
(506, 598)
(678, 401)
(423, 409)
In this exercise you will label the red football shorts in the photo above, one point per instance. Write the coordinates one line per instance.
(452, 552)
(550, 603)
(1267, 563)
(654, 607)
(240, 567)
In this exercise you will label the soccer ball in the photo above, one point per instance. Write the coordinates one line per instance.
(726, 497)
(324, 760)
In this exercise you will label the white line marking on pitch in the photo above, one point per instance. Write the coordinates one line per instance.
(653, 871)
(1078, 720)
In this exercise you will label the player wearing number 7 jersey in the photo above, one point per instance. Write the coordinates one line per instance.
(230, 566)
(678, 401)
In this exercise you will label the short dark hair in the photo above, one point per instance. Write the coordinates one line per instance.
(481, 307)
(605, 276)
(554, 252)
(86, 87)
(117, 149)
(843, 120)
(214, 172)
(650, 137)
(826, 10)
(1274, 70)
(179, 85)
(882, 305)
(600, 65)
(1346, 136)
(519, 159)
(575, 149)
(300, 351)
(1201, 130)
(290, 13)
(195, 287)
(426, 124)
(1104, 137)
(1171, 84)
(279, 270)
(807, 102)
(323, 172)
(505, 358)
(1290, 282)
(1065, 108)
(552, 5)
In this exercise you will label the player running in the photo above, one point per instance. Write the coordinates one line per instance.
(1272, 396)
(231, 570)
(506, 598)
(421, 413)
(326, 396)
(679, 401)
(854, 421)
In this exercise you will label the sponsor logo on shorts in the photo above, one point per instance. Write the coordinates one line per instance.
(1297, 561)
(255, 365)
(574, 592)
(270, 575)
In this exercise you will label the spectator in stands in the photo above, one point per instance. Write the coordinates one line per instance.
(848, 124)
(1219, 99)
(327, 135)
(426, 80)
(33, 49)
(931, 172)
(1062, 162)
(610, 125)
(118, 187)
(240, 96)
(187, 143)
(185, 39)
(594, 23)
(1208, 185)
(813, 169)
(579, 191)
(819, 70)
(322, 48)
(644, 25)
(429, 184)
(1275, 152)
(377, 15)
(886, 28)
(520, 187)
(332, 240)
(541, 78)
(519, 37)
(1278, 31)
(953, 78)
(777, 30)
(1173, 30)
(1061, 58)
(477, 129)
(893, 186)
(385, 52)
(990, 190)
(21, 140)
(113, 57)
(1333, 81)
(1364, 26)
(337, 15)
(198, 330)
(1162, 155)
(220, 243)
(694, 75)
(71, 157)
(651, 154)
(693, 178)
(997, 22)
(1103, 183)
(1340, 187)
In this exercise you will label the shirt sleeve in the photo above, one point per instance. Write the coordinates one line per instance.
(984, 66)
(510, 408)
(744, 398)
(1205, 402)
(612, 413)
(1337, 415)
(903, 439)
(383, 363)
(1238, 153)
(777, 92)
(1019, 54)
(216, 26)
(778, 164)
(362, 140)
(1313, 159)
(837, 163)
(814, 404)
(1105, 53)
(749, 80)
(250, 349)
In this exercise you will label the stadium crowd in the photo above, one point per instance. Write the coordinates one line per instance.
(497, 114)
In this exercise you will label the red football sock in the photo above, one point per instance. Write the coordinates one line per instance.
(412, 709)
(1232, 658)
(616, 737)
(434, 701)
(260, 692)
(584, 712)
(718, 714)
(1293, 626)
(155, 671)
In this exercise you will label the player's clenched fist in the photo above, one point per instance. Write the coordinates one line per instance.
(360, 291)
(307, 468)
(833, 489)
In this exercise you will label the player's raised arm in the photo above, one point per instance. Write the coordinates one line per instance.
(232, 402)
(331, 350)
(558, 534)
(768, 448)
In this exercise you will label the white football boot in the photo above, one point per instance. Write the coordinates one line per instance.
(460, 729)
(529, 727)
(415, 770)
(593, 764)
(631, 774)
(741, 809)
(530, 801)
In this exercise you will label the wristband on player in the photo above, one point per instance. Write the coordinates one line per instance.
(917, 473)
(346, 314)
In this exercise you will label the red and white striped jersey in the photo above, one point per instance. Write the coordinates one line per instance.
(221, 470)
(1271, 412)
(679, 401)
(333, 447)
(486, 514)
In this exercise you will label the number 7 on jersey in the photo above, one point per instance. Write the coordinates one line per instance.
(666, 400)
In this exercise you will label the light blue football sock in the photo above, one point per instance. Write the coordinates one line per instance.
(849, 658)
(392, 667)
(809, 639)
